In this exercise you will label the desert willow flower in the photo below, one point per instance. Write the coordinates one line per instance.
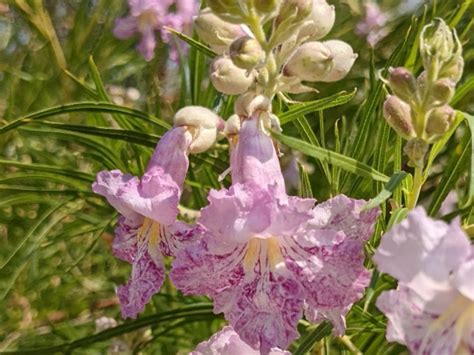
(146, 17)
(265, 257)
(432, 309)
(148, 206)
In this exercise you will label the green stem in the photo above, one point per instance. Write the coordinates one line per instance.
(415, 192)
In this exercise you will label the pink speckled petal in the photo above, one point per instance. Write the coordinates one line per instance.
(125, 242)
(178, 235)
(228, 342)
(422, 332)
(342, 213)
(464, 277)
(148, 274)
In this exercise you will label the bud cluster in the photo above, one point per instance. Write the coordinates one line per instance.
(254, 62)
(419, 108)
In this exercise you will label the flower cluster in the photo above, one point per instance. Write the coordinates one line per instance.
(148, 16)
(249, 60)
(419, 108)
(432, 309)
(266, 258)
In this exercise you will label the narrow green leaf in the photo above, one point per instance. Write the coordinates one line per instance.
(470, 194)
(344, 162)
(463, 90)
(202, 309)
(192, 42)
(310, 340)
(301, 109)
(49, 169)
(454, 169)
(83, 107)
(387, 191)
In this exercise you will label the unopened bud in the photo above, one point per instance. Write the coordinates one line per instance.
(438, 42)
(416, 149)
(344, 58)
(320, 21)
(299, 9)
(402, 82)
(232, 125)
(248, 103)
(312, 61)
(440, 120)
(202, 123)
(229, 79)
(398, 116)
(246, 52)
(421, 83)
(442, 91)
(453, 69)
(216, 32)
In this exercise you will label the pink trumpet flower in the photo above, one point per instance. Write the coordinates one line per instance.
(148, 16)
(432, 309)
(265, 257)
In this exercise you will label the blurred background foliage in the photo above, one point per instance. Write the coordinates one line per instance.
(57, 273)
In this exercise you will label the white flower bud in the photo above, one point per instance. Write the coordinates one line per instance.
(440, 120)
(312, 61)
(232, 125)
(246, 52)
(229, 79)
(442, 91)
(343, 57)
(398, 115)
(320, 21)
(438, 42)
(201, 123)
(216, 32)
(453, 69)
(248, 103)
(299, 9)
(403, 83)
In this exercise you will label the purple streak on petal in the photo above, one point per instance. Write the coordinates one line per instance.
(148, 274)
(125, 242)
(177, 236)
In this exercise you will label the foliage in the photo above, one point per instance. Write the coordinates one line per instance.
(61, 122)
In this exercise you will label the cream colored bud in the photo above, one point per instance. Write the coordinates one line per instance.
(228, 10)
(312, 61)
(453, 69)
(437, 42)
(440, 120)
(398, 115)
(246, 52)
(402, 82)
(344, 59)
(442, 91)
(320, 21)
(216, 32)
(248, 103)
(228, 78)
(265, 7)
(232, 125)
(299, 9)
(201, 123)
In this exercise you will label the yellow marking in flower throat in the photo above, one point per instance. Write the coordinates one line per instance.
(150, 228)
(263, 250)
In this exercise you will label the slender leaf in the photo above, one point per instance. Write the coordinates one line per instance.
(387, 191)
(312, 338)
(192, 42)
(349, 164)
(301, 109)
